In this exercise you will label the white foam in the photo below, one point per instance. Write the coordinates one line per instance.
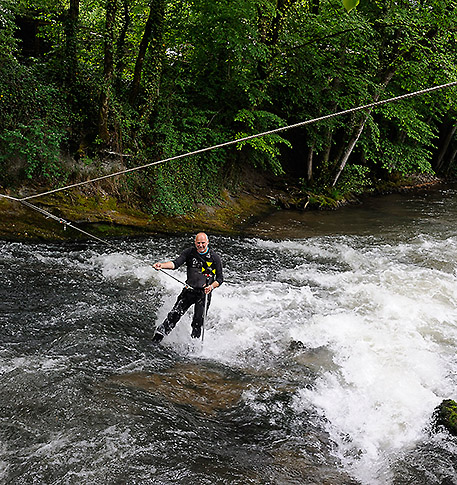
(392, 339)
(4, 465)
(250, 318)
(119, 265)
(32, 364)
(387, 317)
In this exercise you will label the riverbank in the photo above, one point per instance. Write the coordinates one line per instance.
(104, 216)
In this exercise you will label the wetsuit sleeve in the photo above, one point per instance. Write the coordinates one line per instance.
(182, 258)
(219, 272)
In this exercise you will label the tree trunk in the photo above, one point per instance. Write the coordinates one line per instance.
(120, 46)
(108, 69)
(350, 146)
(359, 130)
(309, 163)
(451, 161)
(315, 7)
(156, 50)
(328, 147)
(444, 148)
(152, 30)
(71, 44)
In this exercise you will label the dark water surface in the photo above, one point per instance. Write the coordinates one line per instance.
(325, 354)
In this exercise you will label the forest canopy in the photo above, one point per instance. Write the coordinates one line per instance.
(88, 87)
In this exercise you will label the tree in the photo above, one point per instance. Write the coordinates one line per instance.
(108, 69)
(156, 78)
(71, 25)
(152, 40)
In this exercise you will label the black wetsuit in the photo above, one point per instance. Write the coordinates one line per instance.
(202, 270)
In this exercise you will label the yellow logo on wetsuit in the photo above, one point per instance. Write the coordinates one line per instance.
(208, 269)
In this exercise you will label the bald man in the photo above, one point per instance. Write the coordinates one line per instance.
(204, 274)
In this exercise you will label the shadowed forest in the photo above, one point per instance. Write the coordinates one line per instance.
(91, 87)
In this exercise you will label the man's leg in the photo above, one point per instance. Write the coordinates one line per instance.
(197, 320)
(182, 304)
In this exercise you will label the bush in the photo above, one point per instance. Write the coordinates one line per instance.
(33, 120)
(36, 149)
(354, 180)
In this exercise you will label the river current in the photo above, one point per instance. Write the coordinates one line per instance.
(325, 354)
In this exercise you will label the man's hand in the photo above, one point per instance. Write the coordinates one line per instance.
(211, 287)
(167, 265)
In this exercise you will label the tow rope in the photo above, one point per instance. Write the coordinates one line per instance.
(66, 224)
(239, 140)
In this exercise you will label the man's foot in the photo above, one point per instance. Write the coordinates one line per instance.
(158, 337)
(196, 332)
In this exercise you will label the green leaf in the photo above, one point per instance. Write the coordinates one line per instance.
(350, 4)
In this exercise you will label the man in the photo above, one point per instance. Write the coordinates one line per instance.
(204, 274)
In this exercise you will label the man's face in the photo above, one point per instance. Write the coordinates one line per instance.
(201, 243)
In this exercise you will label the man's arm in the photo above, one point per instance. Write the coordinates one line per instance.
(167, 265)
(179, 261)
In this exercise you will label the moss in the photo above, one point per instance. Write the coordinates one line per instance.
(95, 211)
(446, 415)
(104, 216)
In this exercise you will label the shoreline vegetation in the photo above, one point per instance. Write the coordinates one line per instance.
(254, 106)
(103, 215)
(312, 105)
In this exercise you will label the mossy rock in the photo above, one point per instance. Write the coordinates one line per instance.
(103, 215)
(446, 415)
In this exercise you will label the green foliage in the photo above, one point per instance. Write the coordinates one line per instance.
(406, 159)
(325, 199)
(176, 187)
(350, 4)
(25, 95)
(179, 186)
(355, 180)
(403, 142)
(37, 147)
(33, 120)
(8, 42)
(266, 148)
(218, 70)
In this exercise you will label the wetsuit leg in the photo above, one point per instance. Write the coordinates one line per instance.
(184, 301)
(197, 320)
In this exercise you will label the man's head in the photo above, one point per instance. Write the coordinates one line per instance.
(201, 242)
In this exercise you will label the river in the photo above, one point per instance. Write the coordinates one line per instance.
(325, 354)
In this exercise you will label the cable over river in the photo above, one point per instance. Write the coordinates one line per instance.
(325, 355)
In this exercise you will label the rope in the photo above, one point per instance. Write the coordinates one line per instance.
(205, 310)
(60, 220)
(239, 140)
(66, 224)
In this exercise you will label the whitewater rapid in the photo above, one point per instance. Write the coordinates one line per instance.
(378, 319)
(323, 360)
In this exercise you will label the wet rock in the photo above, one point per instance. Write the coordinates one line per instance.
(188, 384)
(296, 345)
(446, 416)
(299, 465)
